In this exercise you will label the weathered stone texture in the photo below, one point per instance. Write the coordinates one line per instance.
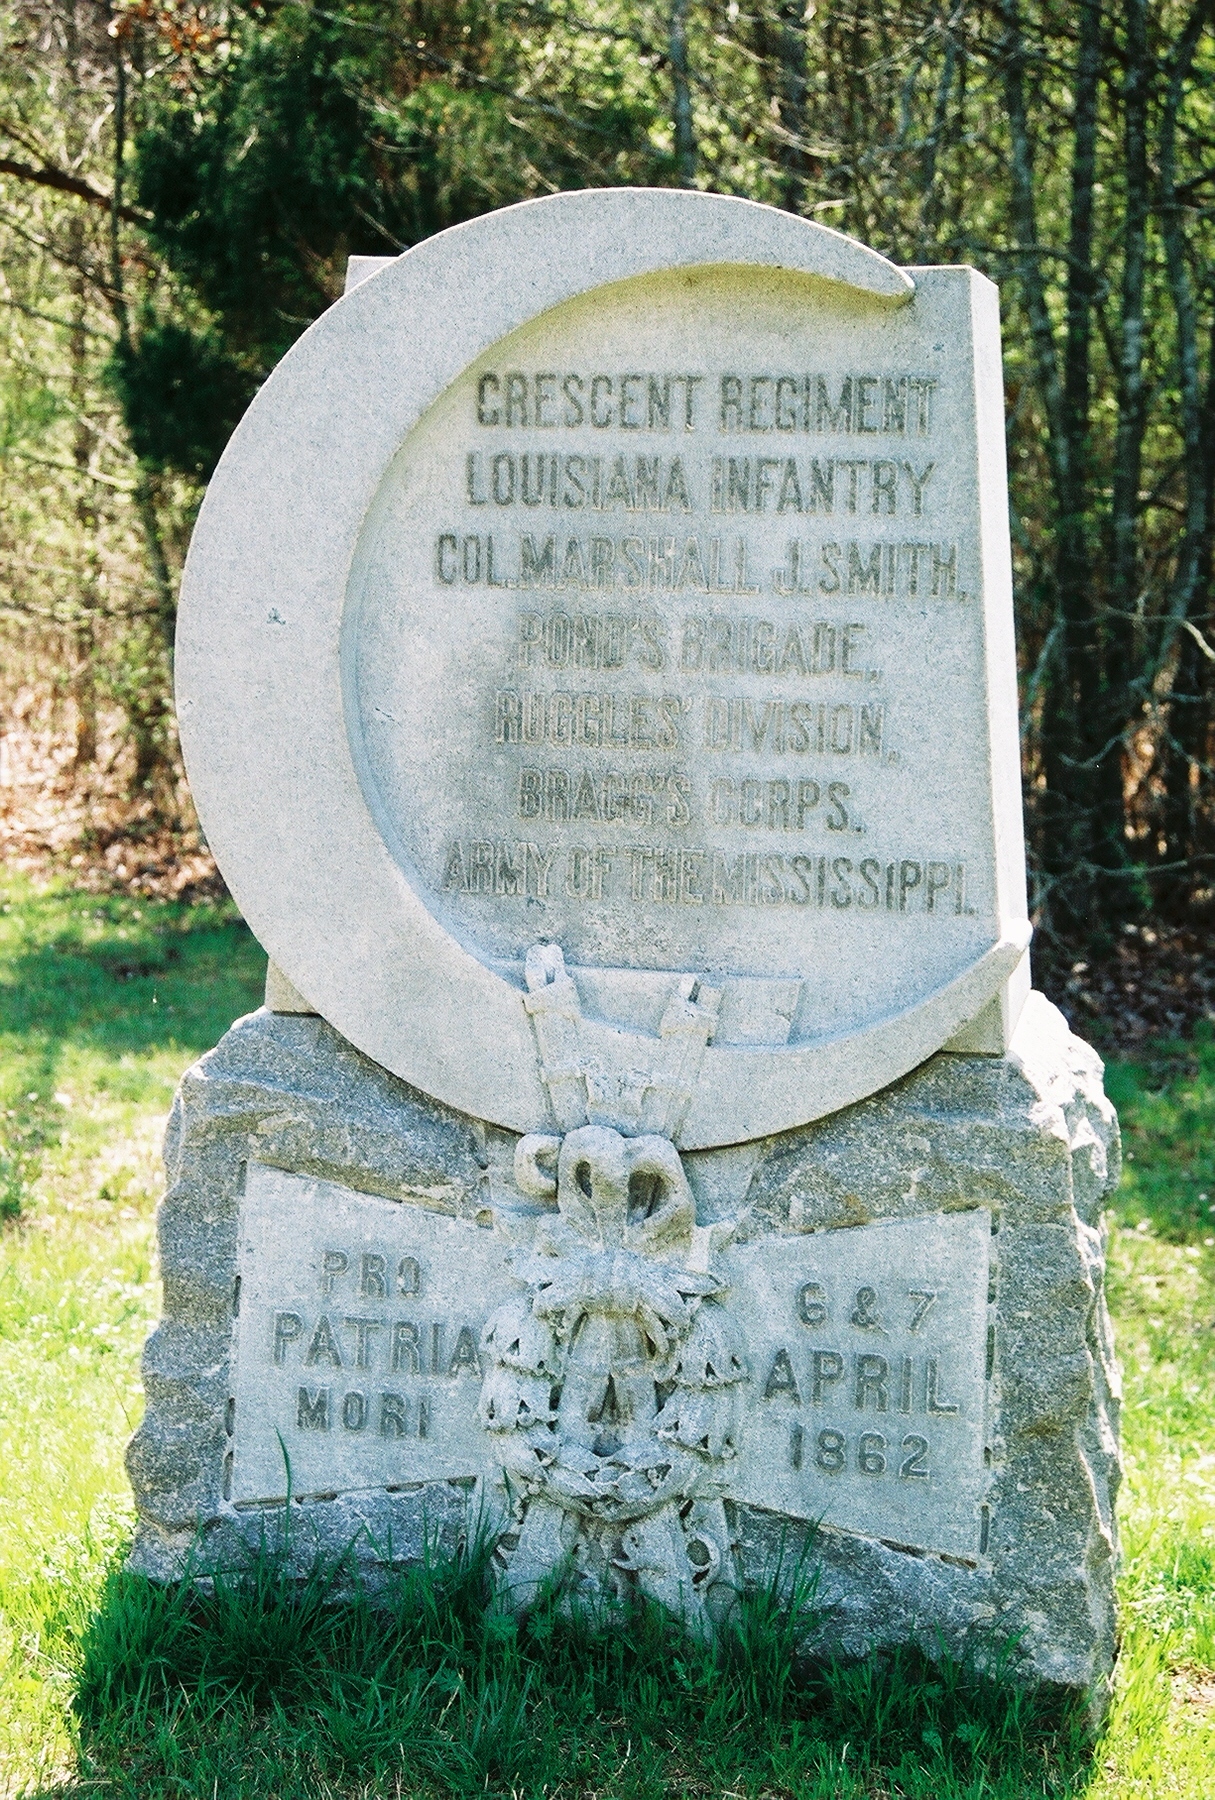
(358, 751)
(1030, 1137)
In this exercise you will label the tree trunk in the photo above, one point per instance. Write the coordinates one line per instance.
(1123, 697)
(1071, 713)
(930, 203)
(1079, 774)
(84, 674)
(791, 51)
(1184, 746)
(685, 137)
(149, 720)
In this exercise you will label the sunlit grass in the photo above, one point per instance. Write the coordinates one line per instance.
(102, 1004)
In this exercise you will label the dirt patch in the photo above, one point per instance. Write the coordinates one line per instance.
(1201, 1694)
(84, 824)
(1195, 1688)
(1158, 981)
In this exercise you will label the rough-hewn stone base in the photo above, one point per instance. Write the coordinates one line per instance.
(1029, 1136)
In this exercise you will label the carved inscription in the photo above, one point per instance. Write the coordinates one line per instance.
(509, 481)
(656, 484)
(880, 568)
(369, 1334)
(585, 755)
(896, 405)
(698, 876)
(358, 1341)
(874, 1368)
(861, 1381)
(674, 654)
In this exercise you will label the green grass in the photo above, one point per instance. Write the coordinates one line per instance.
(103, 1003)
(109, 1687)
(1166, 1101)
(263, 1690)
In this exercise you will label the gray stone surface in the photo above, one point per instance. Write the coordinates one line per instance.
(977, 1177)
(374, 1346)
(653, 600)
(495, 651)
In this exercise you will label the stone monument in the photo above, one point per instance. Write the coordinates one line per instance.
(596, 681)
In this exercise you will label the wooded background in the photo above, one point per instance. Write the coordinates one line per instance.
(181, 184)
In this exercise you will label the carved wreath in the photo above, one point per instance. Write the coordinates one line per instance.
(612, 1384)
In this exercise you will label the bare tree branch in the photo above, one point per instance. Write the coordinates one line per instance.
(63, 183)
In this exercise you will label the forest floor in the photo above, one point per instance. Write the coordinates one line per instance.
(84, 825)
(104, 999)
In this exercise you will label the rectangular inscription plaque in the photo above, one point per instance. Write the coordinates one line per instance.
(360, 1360)
(868, 1354)
(358, 1339)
